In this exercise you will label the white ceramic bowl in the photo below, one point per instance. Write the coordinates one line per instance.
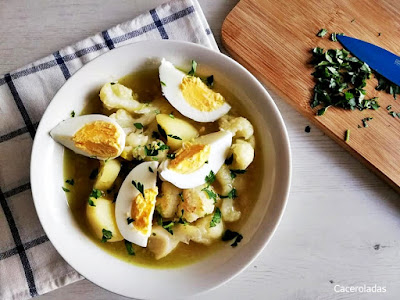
(114, 274)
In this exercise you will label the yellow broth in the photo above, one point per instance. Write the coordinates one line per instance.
(147, 86)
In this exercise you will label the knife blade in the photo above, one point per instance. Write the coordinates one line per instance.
(382, 61)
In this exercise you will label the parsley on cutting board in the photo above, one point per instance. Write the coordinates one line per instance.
(340, 80)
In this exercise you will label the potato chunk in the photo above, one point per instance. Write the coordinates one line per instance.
(167, 203)
(228, 211)
(196, 204)
(108, 172)
(102, 216)
(177, 130)
(161, 242)
(243, 154)
(208, 234)
(240, 127)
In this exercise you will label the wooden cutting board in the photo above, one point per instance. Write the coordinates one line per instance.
(273, 40)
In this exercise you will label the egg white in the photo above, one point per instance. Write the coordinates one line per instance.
(172, 79)
(127, 193)
(64, 132)
(219, 142)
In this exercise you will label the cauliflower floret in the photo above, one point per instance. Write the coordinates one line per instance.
(224, 179)
(186, 232)
(135, 139)
(240, 127)
(252, 141)
(208, 234)
(196, 204)
(228, 211)
(126, 120)
(115, 95)
(169, 199)
(161, 242)
(243, 154)
(134, 146)
(123, 118)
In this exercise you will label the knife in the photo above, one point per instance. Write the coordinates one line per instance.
(382, 61)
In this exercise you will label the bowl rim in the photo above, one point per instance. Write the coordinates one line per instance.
(285, 154)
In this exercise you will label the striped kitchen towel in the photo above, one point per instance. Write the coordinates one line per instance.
(29, 264)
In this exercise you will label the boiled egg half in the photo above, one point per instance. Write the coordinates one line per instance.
(195, 160)
(96, 136)
(190, 95)
(136, 200)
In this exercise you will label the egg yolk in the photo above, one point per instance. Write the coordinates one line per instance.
(98, 138)
(199, 95)
(190, 158)
(142, 208)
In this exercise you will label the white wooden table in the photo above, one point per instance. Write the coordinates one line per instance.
(342, 224)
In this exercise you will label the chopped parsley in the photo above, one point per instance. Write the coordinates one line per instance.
(70, 181)
(91, 203)
(138, 125)
(210, 178)
(139, 186)
(129, 220)
(210, 194)
(232, 235)
(107, 235)
(157, 111)
(365, 120)
(171, 116)
(322, 111)
(340, 81)
(387, 86)
(393, 114)
(129, 248)
(152, 150)
(168, 226)
(322, 32)
(72, 114)
(389, 107)
(163, 83)
(231, 195)
(171, 156)
(334, 36)
(229, 160)
(234, 173)
(181, 219)
(95, 194)
(181, 196)
(174, 137)
(210, 81)
(162, 131)
(347, 136)
(65, 189)
(94, 174)
(151, 170)
(193, 69)
(216, 218)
